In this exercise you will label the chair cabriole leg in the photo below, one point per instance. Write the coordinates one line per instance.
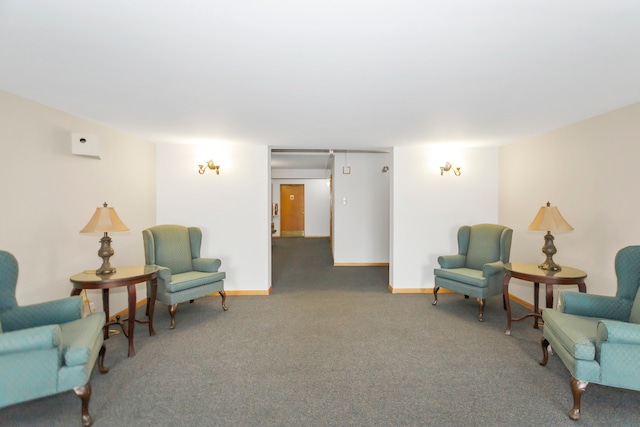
(84, 393)
(435, 295)
(101, 366)
(172, 312)
(481, 303)
(223, 294)
(577, 388)
(545, 352)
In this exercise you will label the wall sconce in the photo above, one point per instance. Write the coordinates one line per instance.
(447, 167)
(210, 165)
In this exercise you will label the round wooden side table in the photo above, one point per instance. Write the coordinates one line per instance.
(532, 273)
(123, 276)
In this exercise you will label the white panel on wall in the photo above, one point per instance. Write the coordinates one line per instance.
(428, 208)
(233, 209)
(361, 208)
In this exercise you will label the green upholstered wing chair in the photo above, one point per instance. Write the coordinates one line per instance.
(46, 348)
(478, 268)
(185, 275)
(597, 337)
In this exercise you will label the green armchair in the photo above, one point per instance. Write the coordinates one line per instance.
(46, 348)
(185, 275)
(478, 268)
(597, 337)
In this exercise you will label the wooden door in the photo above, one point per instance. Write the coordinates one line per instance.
(291, 210)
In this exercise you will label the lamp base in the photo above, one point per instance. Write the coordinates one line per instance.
(549, 249)
(105, 252)
(549, 265)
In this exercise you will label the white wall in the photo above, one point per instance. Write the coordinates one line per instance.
(317, 205)
(233, 209)
(361, 208)
(429, 208)
(48, 195)
(590, 171)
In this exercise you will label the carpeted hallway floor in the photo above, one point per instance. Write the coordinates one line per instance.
(331, 346)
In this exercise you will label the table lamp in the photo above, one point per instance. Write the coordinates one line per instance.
(105, 219)
(549, 219)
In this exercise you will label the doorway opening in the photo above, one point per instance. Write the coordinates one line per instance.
(292, 210)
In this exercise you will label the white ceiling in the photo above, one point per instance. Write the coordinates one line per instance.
(320, 74)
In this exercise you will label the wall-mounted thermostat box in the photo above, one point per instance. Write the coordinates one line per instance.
(85, 144)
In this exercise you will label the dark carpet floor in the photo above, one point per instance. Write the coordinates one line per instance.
(331, 346)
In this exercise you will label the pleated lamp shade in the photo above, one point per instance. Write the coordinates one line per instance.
(104, 219)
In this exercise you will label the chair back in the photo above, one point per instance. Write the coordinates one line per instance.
(627, 265)
(8, 281)
(487, 243)
(168, 246)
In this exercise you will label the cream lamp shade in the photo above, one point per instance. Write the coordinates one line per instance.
(549, 219)
(105, 219)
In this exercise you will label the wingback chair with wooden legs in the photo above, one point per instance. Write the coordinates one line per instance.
(478, 269)
(185, 276)
(597, 337)
(46, 348)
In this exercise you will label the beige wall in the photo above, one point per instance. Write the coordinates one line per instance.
(590, 171)
(48, 195)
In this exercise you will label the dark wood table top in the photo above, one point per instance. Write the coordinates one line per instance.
(122, 276)
(533, 273)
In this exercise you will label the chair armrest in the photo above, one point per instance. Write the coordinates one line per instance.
(47, 313)
(164, 274)
(452, 261)
(492, 268)
(32, 339)
(209, 265)
(602, 306)
(617, 332)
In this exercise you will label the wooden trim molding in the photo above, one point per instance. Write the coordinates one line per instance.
(512, 297)
(248, 293)
(361, 264)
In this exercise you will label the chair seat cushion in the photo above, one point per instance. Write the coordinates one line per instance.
(464, 275)
(79, 337)
(192, 279)
(577, 334)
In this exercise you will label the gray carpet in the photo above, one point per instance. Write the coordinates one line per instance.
(331, 347)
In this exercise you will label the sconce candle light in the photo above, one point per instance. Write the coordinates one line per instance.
(202, 168)
(447, 167)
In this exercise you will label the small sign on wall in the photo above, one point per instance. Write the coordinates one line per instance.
(346, 170)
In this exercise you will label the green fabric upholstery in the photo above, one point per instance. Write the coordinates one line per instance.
(598, 337)
(45, 348)
(635, 309)
(478, 268)
(185, 276)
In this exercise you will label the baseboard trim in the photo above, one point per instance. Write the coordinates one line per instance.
(361, 264)
(236, 293)
(417, 290)
(306, 237)
(512, 297)
(248, 293)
